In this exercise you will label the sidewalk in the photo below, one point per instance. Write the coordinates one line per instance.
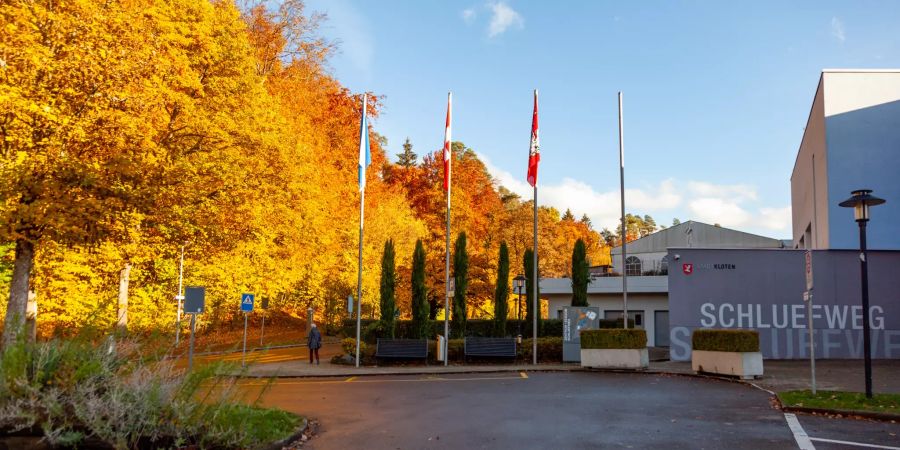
(780, 375)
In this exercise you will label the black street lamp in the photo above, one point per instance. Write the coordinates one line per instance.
(860, 201)
(519, 286)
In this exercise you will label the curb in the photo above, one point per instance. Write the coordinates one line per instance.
(288, 440)
(449, 372)
(886, 417)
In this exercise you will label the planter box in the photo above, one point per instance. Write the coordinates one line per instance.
(615, 358)
(747, 365)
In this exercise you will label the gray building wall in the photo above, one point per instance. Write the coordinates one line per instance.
(852, 141)
(762, 290)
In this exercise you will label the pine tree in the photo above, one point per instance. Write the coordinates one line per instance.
(568, 215)
(408, 158)
(529, 303)
(388, 285)
(580, 274)
(460, 278)
(501, 292)
(420, 308)
(676, 221)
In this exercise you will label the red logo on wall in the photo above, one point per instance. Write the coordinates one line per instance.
(687, 269)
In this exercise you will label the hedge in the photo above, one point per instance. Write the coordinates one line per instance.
(549, 350)
(614, 339)
(370, 330)
(725, 340)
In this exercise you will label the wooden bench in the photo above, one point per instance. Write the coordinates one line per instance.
(490, 347)
(402, 348)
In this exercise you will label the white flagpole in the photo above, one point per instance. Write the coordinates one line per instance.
(624, 224)
(447, 258)
(536, 302)
(362, 203)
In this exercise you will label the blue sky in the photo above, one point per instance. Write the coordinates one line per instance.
(716, 94)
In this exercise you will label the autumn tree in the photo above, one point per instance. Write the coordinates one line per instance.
(420, 324)
(461, 284)
(501, 292)
(580, 274)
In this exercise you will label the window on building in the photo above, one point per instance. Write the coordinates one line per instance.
(664, 265)
(632, 266)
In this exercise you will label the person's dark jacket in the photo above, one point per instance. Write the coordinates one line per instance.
(314, 340)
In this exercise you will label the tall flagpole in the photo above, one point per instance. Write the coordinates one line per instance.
(447, 168)
(364, 136)
(624, 225)
(535, 146)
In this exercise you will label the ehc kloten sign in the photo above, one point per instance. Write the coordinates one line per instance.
(763, 290)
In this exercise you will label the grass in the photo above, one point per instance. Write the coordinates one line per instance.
(838, 400)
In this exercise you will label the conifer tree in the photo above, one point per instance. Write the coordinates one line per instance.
(501, 292)
(420, 308)
(461, 280)
(388, 285)
(580, 274)
(408, 158)
(529, 286)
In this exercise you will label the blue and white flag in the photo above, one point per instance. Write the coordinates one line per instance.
(365, 157)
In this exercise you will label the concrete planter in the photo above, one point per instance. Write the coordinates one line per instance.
(747, 365)
(615, 358)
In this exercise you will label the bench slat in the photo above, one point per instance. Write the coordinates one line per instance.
(484, 346)
(402, 348)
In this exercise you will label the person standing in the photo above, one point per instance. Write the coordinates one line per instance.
(314, 342)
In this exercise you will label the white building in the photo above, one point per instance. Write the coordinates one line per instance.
(851, 141)
(647, 268)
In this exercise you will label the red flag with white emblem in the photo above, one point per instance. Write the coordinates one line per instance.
(534, 152)
(447, 146)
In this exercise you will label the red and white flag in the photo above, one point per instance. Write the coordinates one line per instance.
(447, 145)
(534, 151)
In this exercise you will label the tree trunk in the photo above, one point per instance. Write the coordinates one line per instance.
(18, 292)
(122, 311)
(31, 312)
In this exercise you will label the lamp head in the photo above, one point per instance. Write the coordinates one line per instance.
(860, 200)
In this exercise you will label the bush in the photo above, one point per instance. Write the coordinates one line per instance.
(474, 327)
(614, 339)
(725, 340)
(349, 346)
(550, 349)
(106, 390)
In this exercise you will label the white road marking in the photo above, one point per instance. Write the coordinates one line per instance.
(800, 436)
(856, 444)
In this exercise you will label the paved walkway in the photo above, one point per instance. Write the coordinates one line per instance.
(780, 375)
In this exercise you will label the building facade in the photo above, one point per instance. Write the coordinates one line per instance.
(647, 266)
(851, 141)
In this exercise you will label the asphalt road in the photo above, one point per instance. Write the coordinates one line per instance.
(553, 410)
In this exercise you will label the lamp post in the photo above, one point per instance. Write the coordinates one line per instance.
(860, 201)
(519, 286)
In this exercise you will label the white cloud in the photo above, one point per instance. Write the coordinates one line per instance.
(502, 18)
(735, 206)
(468, 15)
(837, 30)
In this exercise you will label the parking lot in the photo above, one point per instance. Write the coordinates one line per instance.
(558, 410)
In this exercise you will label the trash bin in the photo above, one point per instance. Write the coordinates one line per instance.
(441, 349)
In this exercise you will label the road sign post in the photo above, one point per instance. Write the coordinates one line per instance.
(194, 301)
(247, 308)
(265, 306)
(808, 299)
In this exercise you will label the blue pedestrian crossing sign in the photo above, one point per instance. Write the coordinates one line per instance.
(247, 302)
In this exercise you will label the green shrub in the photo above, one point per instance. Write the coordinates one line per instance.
(108, 390)
(550, 349)
(725, 340)
(614, 339)
(348, 345)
